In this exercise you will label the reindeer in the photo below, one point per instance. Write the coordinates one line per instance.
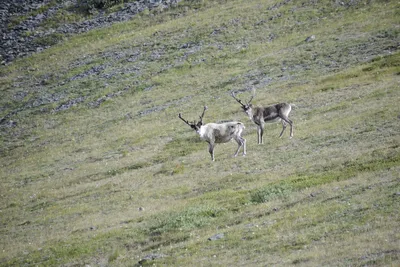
(215, 133)
(270, 114)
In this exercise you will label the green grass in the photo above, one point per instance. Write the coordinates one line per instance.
(109, 183)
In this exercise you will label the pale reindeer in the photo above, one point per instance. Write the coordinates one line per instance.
(215, 133)
(261, 115)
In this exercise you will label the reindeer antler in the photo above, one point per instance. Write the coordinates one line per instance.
(251, 98)
(194, 124)
(187, 122)
(253, 93)
(202, 115)
(238, 100)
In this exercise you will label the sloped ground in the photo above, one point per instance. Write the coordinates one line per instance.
(28, 27)
(97, 169)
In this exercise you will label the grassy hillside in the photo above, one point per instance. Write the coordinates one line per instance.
(97, 169)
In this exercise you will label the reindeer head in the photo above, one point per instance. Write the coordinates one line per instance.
(195, 126)
(247, 108)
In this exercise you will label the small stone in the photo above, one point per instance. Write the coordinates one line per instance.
(152, 256)
(216, 237)
(310, 38)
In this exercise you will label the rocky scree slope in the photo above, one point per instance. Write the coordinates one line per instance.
(22, 30)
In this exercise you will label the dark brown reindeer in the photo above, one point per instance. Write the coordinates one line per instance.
(215, 133)
(261, 115)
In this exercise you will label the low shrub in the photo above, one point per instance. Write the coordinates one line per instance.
(190, 218)
(49, 40)
(270, 192)
(89, 5)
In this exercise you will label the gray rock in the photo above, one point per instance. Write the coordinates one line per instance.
(216, 237)
(310, 39)
(151, 257)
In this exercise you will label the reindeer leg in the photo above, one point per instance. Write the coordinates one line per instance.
(244, 146)
(287, 120)
(260, 133)
(211, 150)
(239, 146)
(283, 128)
(241, 142)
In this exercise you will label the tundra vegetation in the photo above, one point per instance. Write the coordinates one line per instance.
(96, 168)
